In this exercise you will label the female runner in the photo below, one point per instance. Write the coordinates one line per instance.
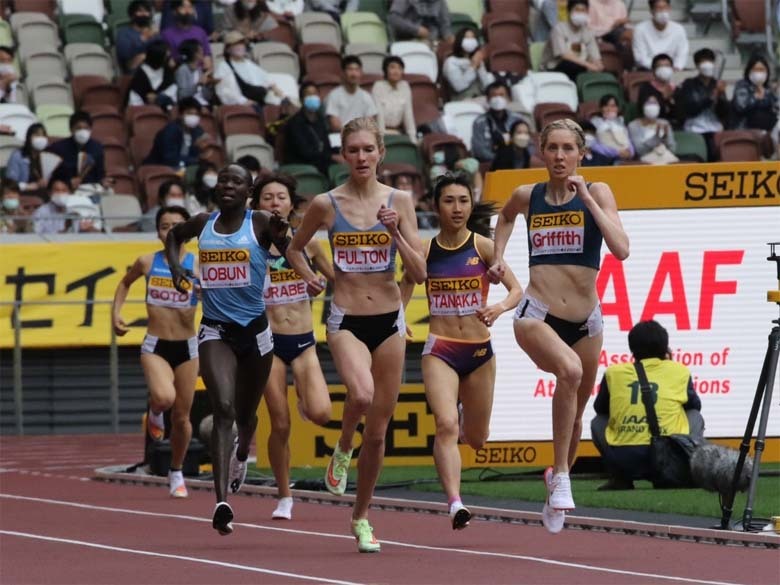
(235, 341)
(169, 353)
(458, 360)
(365, 328)
(558, 322)
(289, 311)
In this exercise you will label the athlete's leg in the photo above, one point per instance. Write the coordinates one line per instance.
(386, 370)
(251, 379)
(185, 377)
(159, 378)
(441, 391)
(476, 396)
(275, 394)
(312, 389)
(588, 349)
(551, 354)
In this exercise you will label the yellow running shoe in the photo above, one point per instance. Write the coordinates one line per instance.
(337, 471)
(155, 425)
(364, 535)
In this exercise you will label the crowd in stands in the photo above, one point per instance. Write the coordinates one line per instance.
(138, 103)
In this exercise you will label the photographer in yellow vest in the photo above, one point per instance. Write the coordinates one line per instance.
(619, 430)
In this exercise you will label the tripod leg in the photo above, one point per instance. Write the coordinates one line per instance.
(774, 347)
(727, 501)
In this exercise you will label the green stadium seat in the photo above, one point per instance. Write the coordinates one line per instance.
(460, 20)
(535, 52)
(690, 146)
(310, 180)
(363, 27)
(592, 85)
(400, 149)
(56, 119)
(474, 8)
(378, 7)
(338, 173)
(83, 29)
(6, 36)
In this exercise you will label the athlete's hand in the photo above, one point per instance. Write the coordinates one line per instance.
(388, 218)
(315, 286)
(182, 278)
(489, 314)
(277, 229)
(496, 272)
(120, 327)
(577, 184)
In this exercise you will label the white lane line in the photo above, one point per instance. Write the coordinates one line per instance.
(176, 557)
(540, 560)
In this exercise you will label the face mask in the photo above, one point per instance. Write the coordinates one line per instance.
(469, 44)
(662, 18)
(7, 68)
(11, 204)
(185, 19)
(82, 136)
(757, 77)
(438, 157)
(210, 180)
(664, 73)
(590, 140)
(175, 202)
(60, 199)
(39, 142)
(651, 110)
(707, 68)
(191, 120)
(142, 21)
(249, 4)
(497, 103)
(521, 140)
(312, 102)
(610, 116)
(238, 51)
(579, 19)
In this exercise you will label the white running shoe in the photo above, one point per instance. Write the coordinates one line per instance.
(283, 509)
(176, 484)
(554, 518)
(559, 489)
(237, 470)
(460, 516)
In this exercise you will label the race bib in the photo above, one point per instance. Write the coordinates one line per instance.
(161, 293)
(362, 251)
(283, 287)
(225, 268)
(455, 296)
(557, 233)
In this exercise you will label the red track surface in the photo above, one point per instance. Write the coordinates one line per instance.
(57, 526)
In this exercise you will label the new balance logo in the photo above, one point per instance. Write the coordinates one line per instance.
(472, 260)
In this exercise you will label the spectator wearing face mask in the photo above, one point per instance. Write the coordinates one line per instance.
(393, 98)
(178, 143)
(24, 164)
(611, 131)
(241, 80)
(754, 104)
(205, 181)
(491, 130)
(660, 35)
(190, 77)
(661, 85)
(170, 194)
(306, 133)
(249, 17)
(9, 78)
(82, 157)
(153, 82)
(184, 28)
(518, 155)
(132, 40)
(572, 48)
(202, 14)
(449, 158)
(591, 158)
(11, 209)
(52, 217)
(701, 101)
(651, 135)
(465, 70)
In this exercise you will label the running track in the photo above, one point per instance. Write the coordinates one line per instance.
(58, 526)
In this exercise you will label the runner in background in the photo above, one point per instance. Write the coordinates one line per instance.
(289, 311)
(458, 361)
(367, 224)
(558, 322)
(236, 344)
(169, 352)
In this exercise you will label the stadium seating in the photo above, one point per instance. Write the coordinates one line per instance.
(318, 27)
(363, 27)
(459, 118)
(372, 55)
(119, 211)
(276, 58)
(690, 146)
(418, 58)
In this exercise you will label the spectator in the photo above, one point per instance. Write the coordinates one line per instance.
(306, 133)
(241, 81)
(52, 217)
(491, 131)
(184, 28)
(422, 20)
(178, 143)
(423, 209)
(520, 151)
(171, 193)
(591, 158)
(205, 181)
(11, 210)
(465, 70)
(449, 158)
(24, 164)
(701, 101)
(611, 130)
(754, 104)
(9, 79)
(349, 100)
(249, 17)
(334, 7)
(545, 20)
(572, 48)
(608, 19)
(154, 82)
(393, 98)
(661, 85)
(82, 157)
(201, 10)
(652, 136)
(625, 448)
(660, 35)
(132, 40)
(251, 164)
(287, 8)
(191, 80)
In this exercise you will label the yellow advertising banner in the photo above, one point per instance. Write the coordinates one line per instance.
(665, 186)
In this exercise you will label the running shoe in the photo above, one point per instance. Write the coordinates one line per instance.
(460, 516)
(364, 535)
(552, 519)
(155, 425)
(337, 471)
(237, 470)
(283, 509)
(176, 484)
(223, 518)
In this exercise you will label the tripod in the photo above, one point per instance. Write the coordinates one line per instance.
(763, 401)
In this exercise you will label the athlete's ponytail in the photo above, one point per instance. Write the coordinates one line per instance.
(479, 220)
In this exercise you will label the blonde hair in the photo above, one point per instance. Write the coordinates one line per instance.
(363, 124)
(564, 124)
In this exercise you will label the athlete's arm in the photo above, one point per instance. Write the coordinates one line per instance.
(320, 260)
(315, 217)
(401, 222)
(601, 203)
(517, 204)
(490, 313)
(271, 229)
(179, 234)
(136, 271)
